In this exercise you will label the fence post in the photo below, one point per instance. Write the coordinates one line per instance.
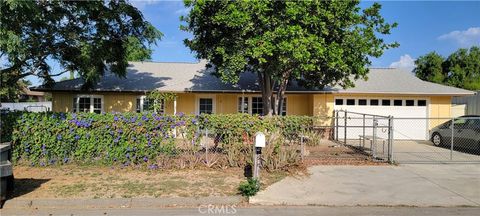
(390, 139)
(345, 129)
(374, 139)
(363, 139)
(302, 146)
(451, 140)
(206, 146)
(336, 125)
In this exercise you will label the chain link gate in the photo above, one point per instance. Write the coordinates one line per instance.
(372, 134)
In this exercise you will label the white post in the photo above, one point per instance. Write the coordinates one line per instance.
(175, 105)
(174, 113)
(259, 144)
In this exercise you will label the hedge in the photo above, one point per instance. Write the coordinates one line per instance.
(127, 138)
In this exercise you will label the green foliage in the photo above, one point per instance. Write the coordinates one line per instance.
(88, 37)
(249, 188)
(316, 43)
(8, 122)
(429, 67)
(136, 51)
(11, 92)
(461, 69)
(141, 138)
(158, 96)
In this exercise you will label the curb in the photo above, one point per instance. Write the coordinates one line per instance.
(121, 202)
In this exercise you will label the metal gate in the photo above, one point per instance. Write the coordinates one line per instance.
(372, 134)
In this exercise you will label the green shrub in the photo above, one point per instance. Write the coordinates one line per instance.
(249, 188)
(139, 138)
(8, 121)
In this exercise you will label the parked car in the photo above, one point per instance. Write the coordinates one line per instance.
(466, 133)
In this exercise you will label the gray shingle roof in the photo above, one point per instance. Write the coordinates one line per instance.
(398, 81)
(193, 77)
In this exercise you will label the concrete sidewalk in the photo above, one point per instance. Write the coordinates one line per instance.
(420, 185)
(19, 203)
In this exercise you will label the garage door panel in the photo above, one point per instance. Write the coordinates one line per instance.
(410, 122)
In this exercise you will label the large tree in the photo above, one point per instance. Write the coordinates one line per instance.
(88, 37)
(429, 67)
(316, 43)
(460, 69)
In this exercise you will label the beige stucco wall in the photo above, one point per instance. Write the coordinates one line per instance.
(440, 107)
(297, 104)
(113, 102)
(321, 105)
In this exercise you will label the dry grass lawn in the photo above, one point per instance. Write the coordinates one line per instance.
(103, 182)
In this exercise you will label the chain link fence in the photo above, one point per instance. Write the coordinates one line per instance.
(446, 140)
(410, 140)
(382, 138)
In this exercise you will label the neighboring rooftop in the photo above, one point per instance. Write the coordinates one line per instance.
(193, 77)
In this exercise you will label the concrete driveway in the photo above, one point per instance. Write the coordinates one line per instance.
(405, 185)
(410, 151)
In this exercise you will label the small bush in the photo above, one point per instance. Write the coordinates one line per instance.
(249, 188)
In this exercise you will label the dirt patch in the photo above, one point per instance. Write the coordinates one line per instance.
(330, 153)
(103, 182)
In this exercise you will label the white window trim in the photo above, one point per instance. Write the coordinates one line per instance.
(77, 100)
(205, 96)
(142, 100)
(244, 98)
(250, 102)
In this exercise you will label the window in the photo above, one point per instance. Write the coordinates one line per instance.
(75, 104)
(398, 102)
(284, 107)
(459, 123)
(350, 102)
(206, 105)
(97, 105)
(144, 104)
(421, 103)
(362, 102)
(385, 102)
(84, 104)
(88, 103)
(257, 105)
(242, 105)
(139, 104)
(409, 103)
(338, 101)
(374, 102)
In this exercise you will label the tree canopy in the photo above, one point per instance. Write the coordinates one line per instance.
(315, 43)
(88, 37)
(460, 69)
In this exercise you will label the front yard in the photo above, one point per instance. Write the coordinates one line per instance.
(73, 181)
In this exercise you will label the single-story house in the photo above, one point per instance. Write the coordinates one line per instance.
(387, 91)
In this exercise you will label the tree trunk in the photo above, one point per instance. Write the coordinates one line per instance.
(281, 92)
(267, 92)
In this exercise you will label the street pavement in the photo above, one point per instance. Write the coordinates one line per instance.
(273, 210)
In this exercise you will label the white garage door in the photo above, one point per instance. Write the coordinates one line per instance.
(415, 128)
